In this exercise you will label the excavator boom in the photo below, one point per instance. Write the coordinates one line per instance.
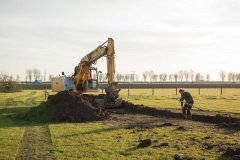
(82, 70)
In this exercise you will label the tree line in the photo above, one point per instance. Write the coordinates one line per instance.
(180, 76)
(147, 76)
(36, 74)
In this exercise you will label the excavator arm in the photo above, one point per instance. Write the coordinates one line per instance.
(81, 71)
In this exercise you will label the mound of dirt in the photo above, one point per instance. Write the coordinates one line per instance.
(69, 106)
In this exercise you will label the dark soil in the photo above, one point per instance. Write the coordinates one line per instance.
(145, 143)
(180, 128)
(69, 106)
(161, 145)
(208, 117)
(181, 157)
(232, 151)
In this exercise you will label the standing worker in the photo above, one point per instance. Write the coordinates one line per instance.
(187, 105)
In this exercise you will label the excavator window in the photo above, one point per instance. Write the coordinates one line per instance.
(92, 79)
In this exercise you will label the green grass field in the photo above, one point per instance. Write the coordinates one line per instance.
(114, 140)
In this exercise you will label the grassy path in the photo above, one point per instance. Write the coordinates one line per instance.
(36, 144)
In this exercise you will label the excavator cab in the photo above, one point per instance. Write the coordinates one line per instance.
(91, 84)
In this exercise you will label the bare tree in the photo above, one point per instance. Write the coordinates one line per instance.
(208, 77)
(122, 77)
(201, 77)
(197, 77)
(229, 76)
(6, 83)
(127, 77)
(132, 77)
(36, 74)
(118, 76)
(160, 77)
(180, 75)
(164, 77)
(18, 78)
(145, 75)
(136, 77)
(150, 73)
(175, 77)
(222, 75)
(192, 75)
(234, 76)
(29, 73)
(186, 75)
(11, 78)
(154, 77)
(44, 76)
(170, 77)
(238, 77)
(50, 77)
(4, 77)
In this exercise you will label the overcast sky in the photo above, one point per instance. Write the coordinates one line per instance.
(158, 35)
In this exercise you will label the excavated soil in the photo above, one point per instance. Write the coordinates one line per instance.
(69, 106)
(225, 120)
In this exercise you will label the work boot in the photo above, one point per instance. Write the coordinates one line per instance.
(189, 117)
(185, 116)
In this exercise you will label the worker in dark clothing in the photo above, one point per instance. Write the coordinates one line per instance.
(186, 103)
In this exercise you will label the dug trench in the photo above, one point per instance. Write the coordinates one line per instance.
(221, 119)
(68, 106)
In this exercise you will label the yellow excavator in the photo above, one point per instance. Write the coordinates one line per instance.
(85, 77)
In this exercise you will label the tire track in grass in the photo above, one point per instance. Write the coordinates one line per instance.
(12, 100)
(35, 99)
(36, 144)
(5, 105)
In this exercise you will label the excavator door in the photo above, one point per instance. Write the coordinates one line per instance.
(91, 83)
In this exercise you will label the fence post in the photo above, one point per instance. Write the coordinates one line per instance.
(176, 91)
(199, 92)
(221, 90)
(102, 90)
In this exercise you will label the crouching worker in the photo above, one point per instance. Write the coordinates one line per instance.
(186, 103)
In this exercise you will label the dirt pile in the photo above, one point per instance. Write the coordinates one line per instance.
(68, 106)
(72, 107)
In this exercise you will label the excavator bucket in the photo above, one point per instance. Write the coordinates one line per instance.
(103, 101)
